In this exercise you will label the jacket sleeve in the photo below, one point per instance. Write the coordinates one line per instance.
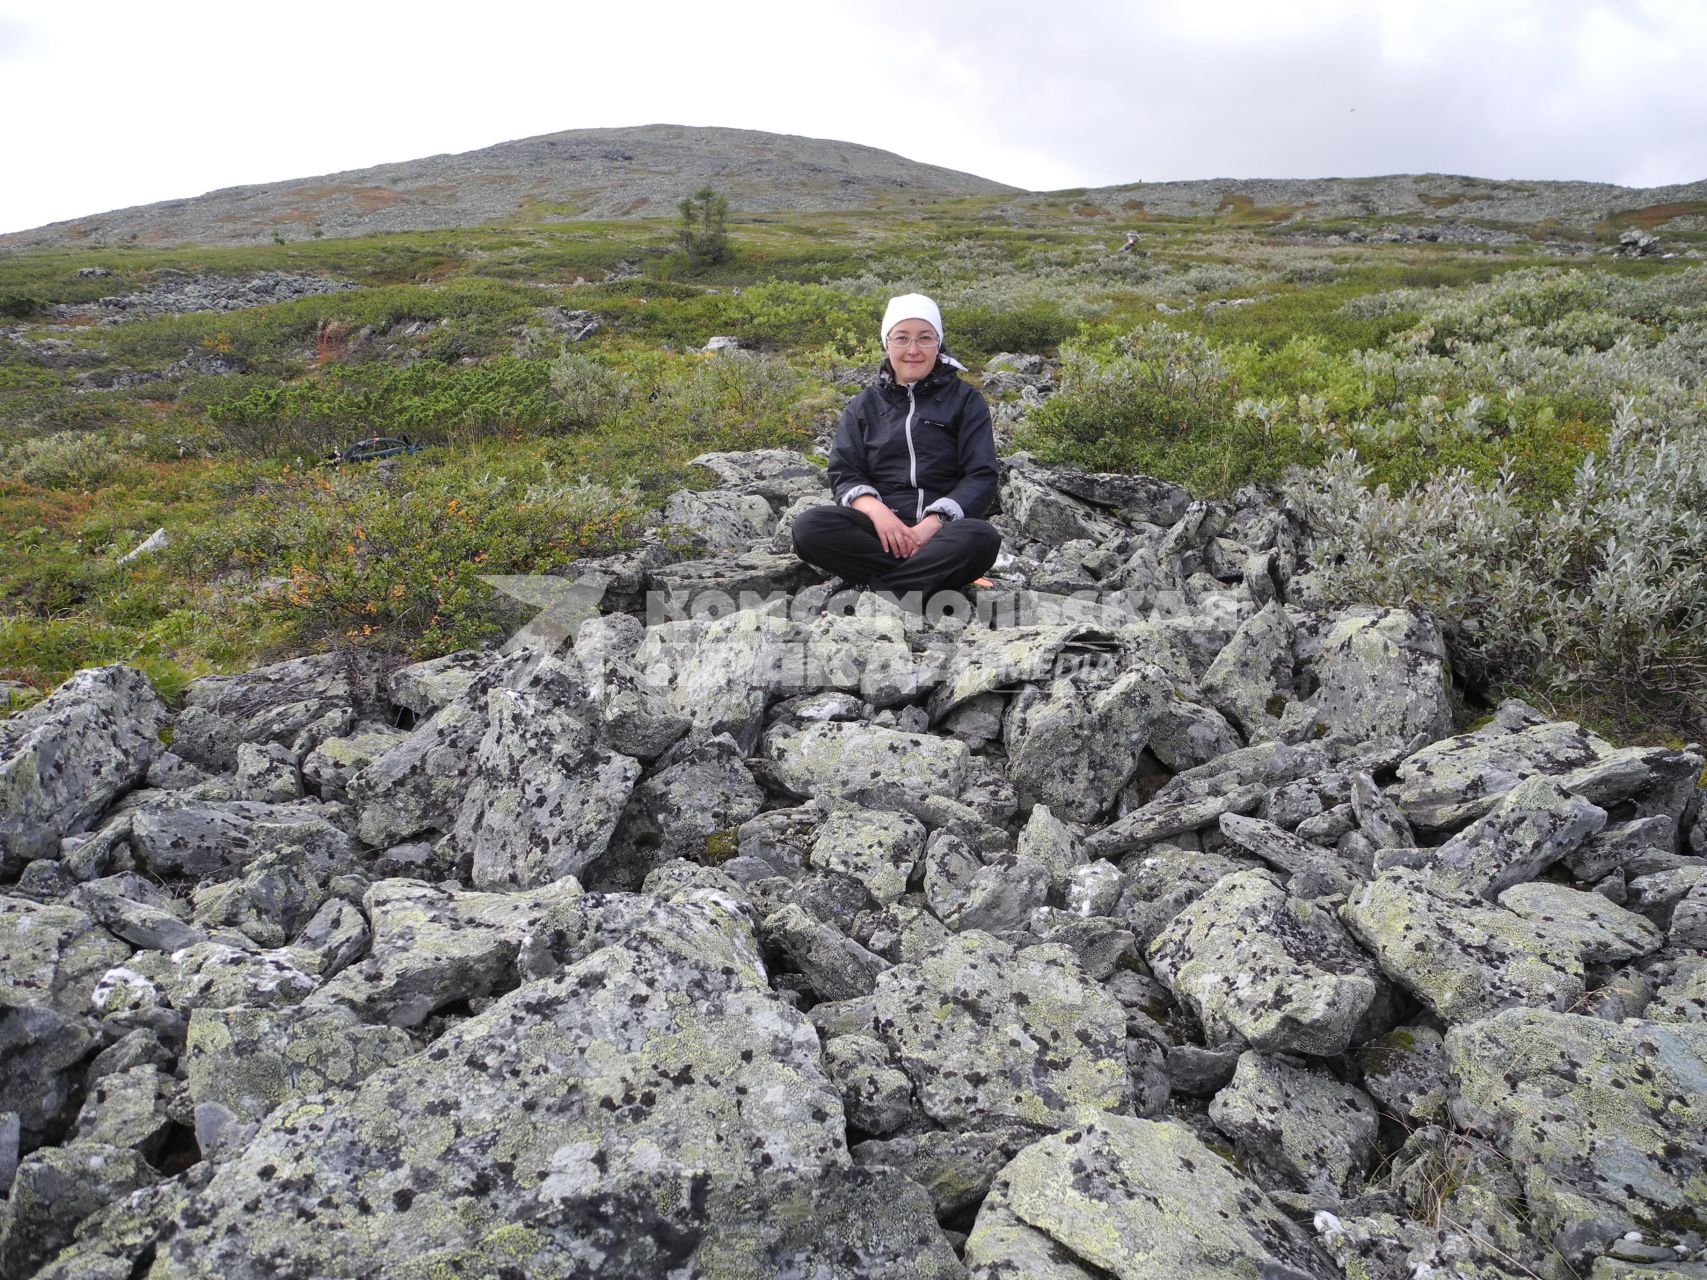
(975, 491)
(849, 478)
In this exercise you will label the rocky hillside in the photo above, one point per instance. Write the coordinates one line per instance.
(1440, 198)
(1145, 918)
(582, 173)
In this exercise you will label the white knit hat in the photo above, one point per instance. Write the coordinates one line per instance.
(911, 306)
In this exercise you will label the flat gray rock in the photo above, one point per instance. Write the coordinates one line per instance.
(1306, 1130)
(1534, 825)
(1454, 780)
(1602, 1121)
(66, 759)
(1460, 956)
(884, 768)
(1133, 1200)
(1259, 966)
(989, 1035)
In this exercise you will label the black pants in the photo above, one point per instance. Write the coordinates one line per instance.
(844, 542)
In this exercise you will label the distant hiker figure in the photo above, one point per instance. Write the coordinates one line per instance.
(1131, 242)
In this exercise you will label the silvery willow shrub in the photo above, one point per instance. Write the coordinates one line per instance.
(77, 460)
(1603, 592)
(587, 391)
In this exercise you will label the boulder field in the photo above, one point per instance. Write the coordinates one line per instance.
(1141, 916)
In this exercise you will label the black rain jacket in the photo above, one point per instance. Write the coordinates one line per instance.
(920, 448)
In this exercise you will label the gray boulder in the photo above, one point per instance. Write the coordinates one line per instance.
(880, 850)
(1534, 825)
(428, 687)
(40, 1049)
(1251, 681)
(834, 966)
(1046, 740)
(589, 1105)
(883, 768)
(66, 759)
(1060, 1058)
(329, 767)
(1602, 1121)
(1133, 1200)
(877, 1097)
(433, 947)
(545, 796)
(1405, 1071)
(955, 1169)
(242, 1063)
(1454, 780)
(54, 955)
(1259, 966)
(1306, 1130)
(56, 1188)
(1460, 956)
(1382, 674)
(295, 704)
(691, 806)
(1600, 932)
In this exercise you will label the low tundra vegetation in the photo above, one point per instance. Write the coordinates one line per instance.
(1510, 441)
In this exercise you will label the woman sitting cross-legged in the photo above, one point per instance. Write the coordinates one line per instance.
(913, 468)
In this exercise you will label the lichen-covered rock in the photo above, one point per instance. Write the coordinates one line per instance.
(56, 1188)
(1162, 881)
(1378, 818)
(1603, 1121)
(1133, 1200)
(1313, 871)
(877, 1097)
(1308, 1131)
(1163, 819)
(835, 967)
(330, 766)
(1533, 826)
(273, 704)
(719, 520)
(1405, 1071)
(1454, 780)
(1092, 888)
(1383, 675)
(1600, 932)
(721, 673)
(605, 1094)
(880, 850)
(690, 806)
(183, 835)
(428, 687)
(1046, 737)
(882, 768)
(983, 661)
(136, 909)
(1679, 991)
(990, 1035)
(420, 784)
(281, 887)
(432, 948)
(217, 976)
(1251, 681)
(1460, 956)
(241, 1063)
(64, 760)
(999, 896)
(127, 1109)
(266, 772)
(39, 1047)
(955, 1169)
(1260, 966)
(53, 955)
(545, 795)
(335, 937)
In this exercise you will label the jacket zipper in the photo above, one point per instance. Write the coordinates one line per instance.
(913, 460)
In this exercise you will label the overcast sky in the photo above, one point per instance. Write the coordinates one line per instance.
(118, 102)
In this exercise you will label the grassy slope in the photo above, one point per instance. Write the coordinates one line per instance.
(270, 553)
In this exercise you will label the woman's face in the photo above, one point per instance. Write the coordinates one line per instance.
(912, 347)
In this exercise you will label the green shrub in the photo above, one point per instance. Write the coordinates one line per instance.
(398, 560)
(18, 306)
(1603, 592)
(75, 460)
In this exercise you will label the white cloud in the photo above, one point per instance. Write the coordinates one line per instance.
(129, 103)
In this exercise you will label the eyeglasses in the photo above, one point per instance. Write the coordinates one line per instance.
(930, 342)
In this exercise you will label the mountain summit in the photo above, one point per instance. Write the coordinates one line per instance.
(580, 173)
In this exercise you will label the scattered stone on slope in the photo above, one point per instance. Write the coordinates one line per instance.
(1382, 675)
(433, 948)
(1308, 1132)
(544, 797)
(1251, 680)
(1462, 957)
(1533, 826)
(54, 1189)
(1258, 966)
(1133, 1200)
(64, 760)
(1602, 1120)
(990, 1035)
(1600, 932)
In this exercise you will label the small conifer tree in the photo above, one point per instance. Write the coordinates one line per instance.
(704, 239)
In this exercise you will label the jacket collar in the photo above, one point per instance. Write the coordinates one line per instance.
(942, 372)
